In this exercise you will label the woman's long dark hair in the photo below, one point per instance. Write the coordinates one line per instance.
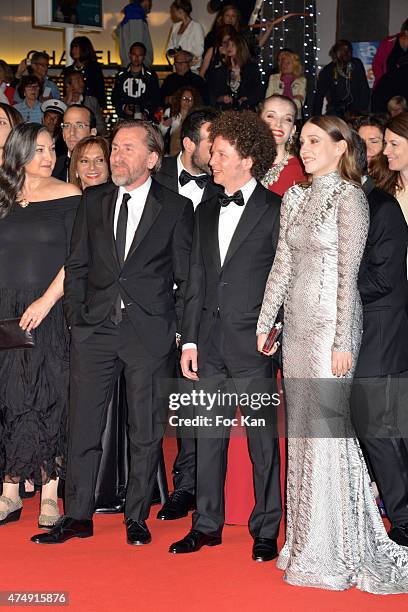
(19, 150)
(384, 178)
(86, 50)
(12, 114)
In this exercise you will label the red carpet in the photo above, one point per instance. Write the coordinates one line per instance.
(103, 573)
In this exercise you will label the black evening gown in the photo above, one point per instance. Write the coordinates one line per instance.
(34, 243)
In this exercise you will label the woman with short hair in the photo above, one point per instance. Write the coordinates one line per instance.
(290, 81)
(30, 89)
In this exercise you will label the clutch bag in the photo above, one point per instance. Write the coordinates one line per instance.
(272, 337)
(13, 337)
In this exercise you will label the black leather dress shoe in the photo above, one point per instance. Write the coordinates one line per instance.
(193, 541)
(113, 508)
(264, 549)
(399, 534)
(65, 529)
(137, 532)
(178, 505)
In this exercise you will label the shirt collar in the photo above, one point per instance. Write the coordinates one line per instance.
(140, 193)
(247, 189)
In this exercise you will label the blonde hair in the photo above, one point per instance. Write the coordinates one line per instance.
(397, 101)
(297, 65)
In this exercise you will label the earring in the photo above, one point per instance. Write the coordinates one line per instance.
(76, 174)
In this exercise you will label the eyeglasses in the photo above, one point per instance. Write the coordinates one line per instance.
(186, 98)
(34, 86)
(74, 126)
(40, 64)
(180, 62)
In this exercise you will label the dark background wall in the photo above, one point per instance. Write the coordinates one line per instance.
(363, 20)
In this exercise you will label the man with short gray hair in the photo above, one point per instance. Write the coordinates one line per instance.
(131, 242)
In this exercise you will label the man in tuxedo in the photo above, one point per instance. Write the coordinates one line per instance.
(380, 390)
(78, 122)
(131, 242)
(235, 239)
(189, 175)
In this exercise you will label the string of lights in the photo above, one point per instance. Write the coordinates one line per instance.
(298, 33)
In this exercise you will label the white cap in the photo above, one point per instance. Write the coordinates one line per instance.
(54, 105)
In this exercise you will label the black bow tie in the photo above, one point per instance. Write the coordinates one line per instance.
(237, 197)
(185, 177)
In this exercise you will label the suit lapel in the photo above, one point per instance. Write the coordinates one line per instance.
(108, 213)
(168, 174)
(211, 215)
(254, 210)
(151, 210)
(210, 191)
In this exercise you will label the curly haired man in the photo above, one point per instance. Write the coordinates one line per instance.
(235, 239)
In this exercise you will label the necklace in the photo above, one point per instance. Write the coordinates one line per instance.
(273, 173)
(23, 202)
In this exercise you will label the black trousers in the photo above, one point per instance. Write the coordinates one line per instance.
(220, 373)
(96, 364)
(379, 410)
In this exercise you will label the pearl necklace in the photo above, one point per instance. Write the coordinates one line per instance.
(273, 173)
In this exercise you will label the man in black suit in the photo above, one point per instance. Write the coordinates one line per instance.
(131, 242)
(235, 239)
(380, 398)
(79, 121)
(189, 175)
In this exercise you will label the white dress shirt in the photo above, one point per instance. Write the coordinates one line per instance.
(229, 218)
(191, 190)
(227, 224)
(136, 206)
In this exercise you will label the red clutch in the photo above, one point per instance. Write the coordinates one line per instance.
(272, 337)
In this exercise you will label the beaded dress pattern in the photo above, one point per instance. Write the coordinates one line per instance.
(335, 535)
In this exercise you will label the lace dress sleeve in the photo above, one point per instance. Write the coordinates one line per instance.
(279, 276)
(352, 222)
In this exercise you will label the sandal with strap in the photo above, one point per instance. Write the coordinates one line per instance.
(13, 513)
(47, 521)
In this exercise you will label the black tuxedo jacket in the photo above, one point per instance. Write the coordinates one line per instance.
(61, 168)
(158, 258)
(168, 176)
(235, 290)
(383, 288)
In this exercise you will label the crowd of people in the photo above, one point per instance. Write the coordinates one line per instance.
(213, 211)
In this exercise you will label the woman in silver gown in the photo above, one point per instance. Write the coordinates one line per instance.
(335, 535)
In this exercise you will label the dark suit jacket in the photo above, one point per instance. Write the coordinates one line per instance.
(168, 176)
(158, 258)
(236, 289)
(384, 289)
(61, 168)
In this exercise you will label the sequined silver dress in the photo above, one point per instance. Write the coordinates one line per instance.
(335, 535)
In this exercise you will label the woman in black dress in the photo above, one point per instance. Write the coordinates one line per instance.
(35, 233)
